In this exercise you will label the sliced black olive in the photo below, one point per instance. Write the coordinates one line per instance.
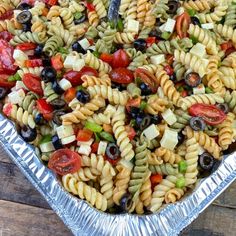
(224, 107)
(155, 119)
(78, 48)
(38, 50)
(48, 74)
(24, 6)
(82, 19)
(26, 27)
(28, 134)
(195, 21)
(120, 87)
(143, 122)
(197, 123)
(57, 117)
(140, 44)
(173, 77)
(39, 119)
(56, 142)
(206, 161)
(3, 92)
(112, 151)
(173, 6)
(58, 103)
(156, 33)
(145, 89)
(46, 61)
(57, 88)
(126, 202)
(83, 96)
(24, 17)
(181, 138)
(192, 79)
(134, 112)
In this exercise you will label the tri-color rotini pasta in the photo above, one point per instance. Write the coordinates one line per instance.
(131, 109)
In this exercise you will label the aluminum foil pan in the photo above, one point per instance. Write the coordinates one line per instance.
(83, 219)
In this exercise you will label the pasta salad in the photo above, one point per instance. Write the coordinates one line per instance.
(130, 110)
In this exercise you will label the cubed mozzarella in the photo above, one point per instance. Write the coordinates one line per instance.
(102, 147)
(65, 84)
(169, 139)
(170, 25)
(208, 26)
(64, 131)
(19, 55)
(70, 61)
(46, 147)
(169, 117)
(151, 132)
(68, 140)
(84, 43)
(157, 59)
(200, 89)
(199, 50)
(16, 97)
(84, 150)
(78, 65)
(133, 26)
(79, 143)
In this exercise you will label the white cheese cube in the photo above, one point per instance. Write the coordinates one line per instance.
(200, 89)
(79, 143)
(65, 84)
(92, 48)
(64, 131)
(46, 147)
(84, 150)
(158, 59)
(19, 55)
(102, 147)
(20, 84)
(162, 27)
(208, 26)
(69, 61)
(170, 25)
(133, 26)
(84, 43)
(151, 132)
(169, 139)
(198, 50)
(78, 65)
(169, 117)
(16, 97)
(67, 140)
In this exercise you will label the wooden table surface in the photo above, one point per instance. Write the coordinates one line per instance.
(23, 212)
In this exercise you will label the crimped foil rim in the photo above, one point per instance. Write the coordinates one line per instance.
(83, 219)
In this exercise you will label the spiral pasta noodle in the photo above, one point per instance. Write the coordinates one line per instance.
(199, 5)
(67, 17)
(155, 105)
(164, 169)
(167, 155)
(31, 70)
(29, 102)
(85, 174)
(124, 38)
(230, 17)
(173, 195)
(100, 8)
(52, 44)
(48, 92)
(230, 99)
(93, 18)
(182, 120)
(226, 31)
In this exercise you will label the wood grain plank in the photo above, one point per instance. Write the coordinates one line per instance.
(21, 220)
(15, 187)
(4, 156)
(214, 221)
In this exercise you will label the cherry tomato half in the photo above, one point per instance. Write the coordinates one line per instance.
(121, 76)
(148, 78)
(169, 70)
(106, 57)
(64, 161)
(182, 24)
(211, 114)
(155, 179)
(33, 83)
(5, 83)
(120, 59)
(69, 94)
(26, 46)
(134, 102)
(44, 107)
(84, 135)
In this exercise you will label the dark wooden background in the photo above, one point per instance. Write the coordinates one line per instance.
(23, 212)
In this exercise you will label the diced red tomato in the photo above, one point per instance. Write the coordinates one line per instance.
(225, 46)
(34, 63)
(57, 62)
(5, 35)
(51, 2)
(121, 76)
(113, 162)
(120, 59)
(43, 106)
(155, 179)
(33, 83)
(211, 114)
(7, 109)
(69, 94)
(169, 59)
(134, 102)
(108, 58)
(131, 132)
(64, 161)
(94, 147)
(26, 46)
(84, 135)
(90, 6)
(169, 70)
(182, 24)
(150, 41)
(5, 83)
(6, 58)
(147, 78)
